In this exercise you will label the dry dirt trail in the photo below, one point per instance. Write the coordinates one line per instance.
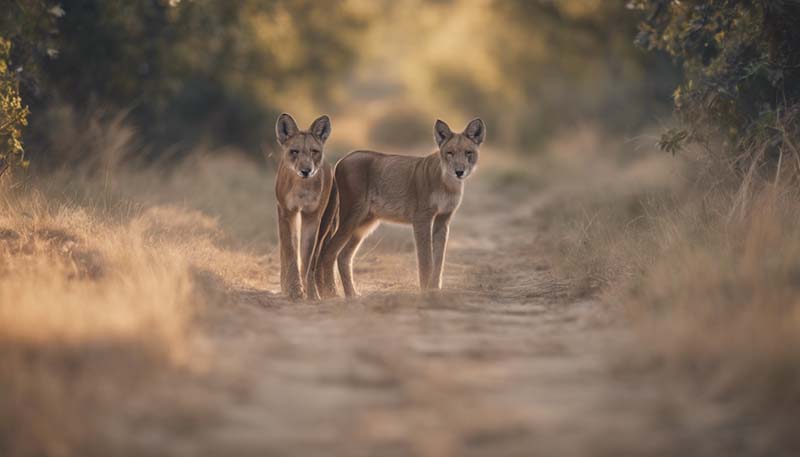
(501, 363)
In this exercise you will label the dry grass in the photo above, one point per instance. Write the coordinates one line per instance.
(706, 272)
(102, 276)
(83, 303)
(718, 298)
(599, 195)
(56, 259)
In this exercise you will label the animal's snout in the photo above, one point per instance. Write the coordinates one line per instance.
(460, 173)
(305, 172)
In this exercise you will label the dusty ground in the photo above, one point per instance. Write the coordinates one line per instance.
(507, 360)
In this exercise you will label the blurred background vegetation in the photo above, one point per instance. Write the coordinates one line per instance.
(184, 73)
(215, 73)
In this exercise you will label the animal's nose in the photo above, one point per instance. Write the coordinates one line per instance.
(305, 172)
(460, 173)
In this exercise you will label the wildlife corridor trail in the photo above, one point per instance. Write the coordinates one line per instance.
(502, 362)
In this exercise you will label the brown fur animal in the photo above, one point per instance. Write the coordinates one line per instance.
(302, 188)
(421, 191)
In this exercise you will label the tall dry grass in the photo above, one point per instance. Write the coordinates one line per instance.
(706, 269)
(85, 306)
(719, 297)
(105, 269)
(54, 259)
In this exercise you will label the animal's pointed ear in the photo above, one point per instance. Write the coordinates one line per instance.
(441, 132)
(321, 128)
(476, 131)
(285, 128)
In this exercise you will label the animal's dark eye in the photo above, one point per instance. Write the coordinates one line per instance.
(449, 153)
(470, 154)
(293, 152)
(315, 151)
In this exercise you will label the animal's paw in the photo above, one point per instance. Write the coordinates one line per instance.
(295, 292)
(313, 294)
(352, 293)
(325, 286)
(327, 291)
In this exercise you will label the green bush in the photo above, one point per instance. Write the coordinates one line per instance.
(186, 72)
(13, 114)
(742, 71)
(26, 35)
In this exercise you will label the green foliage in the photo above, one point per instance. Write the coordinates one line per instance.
(32, 27)
(742, 66)
(25, 28)
(13, 114)
(188, 72)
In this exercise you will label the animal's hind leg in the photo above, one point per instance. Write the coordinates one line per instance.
(345, 259)
(317, 273)
(351, 218)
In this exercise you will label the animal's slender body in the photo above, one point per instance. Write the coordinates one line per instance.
(302, 188)
(421, 191)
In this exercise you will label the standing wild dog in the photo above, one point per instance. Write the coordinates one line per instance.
(421, 191)
(302, 188)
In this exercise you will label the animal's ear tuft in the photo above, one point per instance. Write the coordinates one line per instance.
(285, 128)
(476, 131)
(321, 128)
(441, 132)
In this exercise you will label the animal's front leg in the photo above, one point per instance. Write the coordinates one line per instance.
(291, 284)
(441, 228)
(309, 229)
(422, 238)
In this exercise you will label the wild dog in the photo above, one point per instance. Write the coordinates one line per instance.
(421, 191)
(302, 188)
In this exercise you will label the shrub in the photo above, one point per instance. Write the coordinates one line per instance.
(742, 71)
(13, 114)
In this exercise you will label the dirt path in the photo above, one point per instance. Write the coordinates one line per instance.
(502, 362)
